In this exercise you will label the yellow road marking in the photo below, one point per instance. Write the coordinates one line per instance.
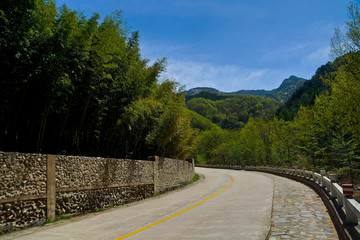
(176, 214)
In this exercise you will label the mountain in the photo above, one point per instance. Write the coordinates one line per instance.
(199, 89)
(306, 94)
(230, 111)
(287, 88)
(260, 92)
(281, 94)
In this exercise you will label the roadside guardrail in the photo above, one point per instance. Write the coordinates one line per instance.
(345, 210)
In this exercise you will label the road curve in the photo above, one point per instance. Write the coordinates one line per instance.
(225, 204)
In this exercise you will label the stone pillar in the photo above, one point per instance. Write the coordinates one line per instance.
(155, 160)
(50, 187)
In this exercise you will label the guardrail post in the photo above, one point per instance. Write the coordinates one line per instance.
(340, 197)
(313, 170)
(350, 214)
(303, 173)
(333, 179)
(322, 173)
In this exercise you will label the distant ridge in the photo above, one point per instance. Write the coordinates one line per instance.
(281, 94)
(193, 91)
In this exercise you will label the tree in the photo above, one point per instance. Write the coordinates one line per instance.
(70, 84)
(350, 42)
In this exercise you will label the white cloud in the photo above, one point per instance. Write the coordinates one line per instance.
(227, 78)
(256, 75)
(285, 53)
(319, 56)
(153, 50)
(198, 72)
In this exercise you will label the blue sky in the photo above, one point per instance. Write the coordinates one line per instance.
(230, 44)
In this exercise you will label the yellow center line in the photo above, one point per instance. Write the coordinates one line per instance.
(176, 214)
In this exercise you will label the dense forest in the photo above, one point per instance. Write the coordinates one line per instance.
(70, 84)
(232, 111)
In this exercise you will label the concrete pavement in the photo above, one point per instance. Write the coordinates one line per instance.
(241, 211)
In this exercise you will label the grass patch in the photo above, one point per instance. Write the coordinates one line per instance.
(65, 217)
(51, 221)
(156, 194)
(195, 178)
(99, 209)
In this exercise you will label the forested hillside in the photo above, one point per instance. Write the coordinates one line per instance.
(71, 84)
(306, 94)
(232, 111)
(287, 88)
(281, 94)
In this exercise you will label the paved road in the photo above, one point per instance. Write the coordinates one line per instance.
(241, 211)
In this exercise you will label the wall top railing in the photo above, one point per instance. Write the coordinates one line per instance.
(342, 195)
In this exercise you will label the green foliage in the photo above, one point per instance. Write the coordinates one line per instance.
(159, 124)
(195, 178)
(61, 218)
(199, 90)
(70, 84)
(199, 122)
(233, 112)
(258, 143)
(229, 132)
(209, 94)
(328, 132)
(350, 42)
(207, 142)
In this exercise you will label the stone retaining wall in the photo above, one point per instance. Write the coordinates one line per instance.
(170, 174)
(92, 200)
(22, 175)
(37, 187)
